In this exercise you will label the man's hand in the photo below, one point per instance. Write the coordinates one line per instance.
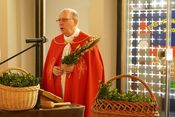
(67, 68)
(57, 71)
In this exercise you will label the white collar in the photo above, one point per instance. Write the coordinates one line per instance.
(70, 38)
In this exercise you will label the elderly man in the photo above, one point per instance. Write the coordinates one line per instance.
(77, 83)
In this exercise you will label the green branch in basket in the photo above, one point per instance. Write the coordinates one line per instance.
(18, 79)
(105, 92)
(73, 57)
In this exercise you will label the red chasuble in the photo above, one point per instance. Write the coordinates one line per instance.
(81, 86)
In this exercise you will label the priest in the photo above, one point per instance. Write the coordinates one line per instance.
(77, 83)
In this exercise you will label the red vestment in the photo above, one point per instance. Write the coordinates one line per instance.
(81, 86)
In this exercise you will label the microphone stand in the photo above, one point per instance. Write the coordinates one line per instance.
(34, 45)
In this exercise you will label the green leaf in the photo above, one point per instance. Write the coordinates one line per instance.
(105, 92)
(73, 57)
(18, 79)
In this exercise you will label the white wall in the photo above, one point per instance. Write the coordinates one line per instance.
(97, 17)
(3, 30)
(17, 22)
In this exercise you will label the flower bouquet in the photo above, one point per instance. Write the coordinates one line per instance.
(73, 57)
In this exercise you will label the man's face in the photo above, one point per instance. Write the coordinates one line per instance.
(66, 23)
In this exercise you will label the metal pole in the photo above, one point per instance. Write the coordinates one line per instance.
(39, 47)
(168, 61)
(39, 33)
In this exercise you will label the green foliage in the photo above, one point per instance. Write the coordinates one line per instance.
(18, 79)
(105, 92)
(73, 57)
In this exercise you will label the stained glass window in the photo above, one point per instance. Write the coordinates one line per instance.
(146, 43)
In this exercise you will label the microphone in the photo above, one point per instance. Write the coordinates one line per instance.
(36, 40)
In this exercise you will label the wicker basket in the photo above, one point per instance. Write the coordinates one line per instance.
(18, 98)
(108, 108)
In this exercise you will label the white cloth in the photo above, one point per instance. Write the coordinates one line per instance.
(66, 51)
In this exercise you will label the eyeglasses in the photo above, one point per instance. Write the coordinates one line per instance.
(63, 19)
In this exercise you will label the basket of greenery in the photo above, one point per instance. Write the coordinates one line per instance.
(18, 89)
(111, 103)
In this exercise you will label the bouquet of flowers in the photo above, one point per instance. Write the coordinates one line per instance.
(73, 57)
